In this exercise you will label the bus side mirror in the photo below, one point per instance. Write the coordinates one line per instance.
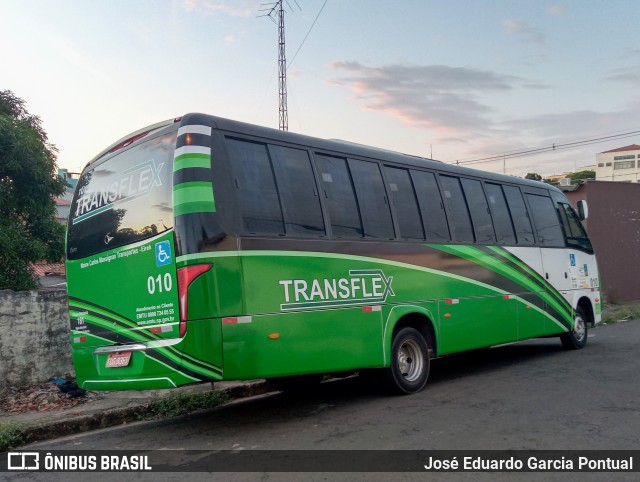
(583, 210)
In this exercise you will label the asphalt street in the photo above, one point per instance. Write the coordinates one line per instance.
(530, 395)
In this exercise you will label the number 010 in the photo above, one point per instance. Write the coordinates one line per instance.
(160, 283)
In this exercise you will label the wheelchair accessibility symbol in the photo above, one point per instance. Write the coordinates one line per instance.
(163, 253)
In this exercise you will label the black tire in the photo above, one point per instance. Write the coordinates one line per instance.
(576, 338)
(410, 362)
(295, 384)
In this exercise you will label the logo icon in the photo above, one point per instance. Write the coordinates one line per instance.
(572, 259)
(163, 253)
(107, 238)
(23, 461)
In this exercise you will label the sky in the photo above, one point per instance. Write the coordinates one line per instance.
(455, 80)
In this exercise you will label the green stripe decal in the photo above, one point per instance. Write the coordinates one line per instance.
(543, 291)
(193, 197)
(534, 274)
(192, 160)
(194, 258)
(131, 332)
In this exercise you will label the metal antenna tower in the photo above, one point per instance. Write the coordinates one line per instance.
(276, 9)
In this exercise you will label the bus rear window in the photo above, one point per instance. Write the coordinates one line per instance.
(123, 200)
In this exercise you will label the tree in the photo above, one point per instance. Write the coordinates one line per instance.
(28, 186)
(582, 175)
(534, 176)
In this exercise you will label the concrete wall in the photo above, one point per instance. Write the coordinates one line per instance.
(614, 228)
(34, 337)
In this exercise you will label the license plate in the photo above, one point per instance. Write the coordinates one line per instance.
(118, 359)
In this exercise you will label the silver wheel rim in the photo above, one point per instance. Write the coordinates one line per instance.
(410, 360)
(580, 328)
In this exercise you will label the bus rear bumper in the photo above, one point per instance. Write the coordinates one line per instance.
(147, 368)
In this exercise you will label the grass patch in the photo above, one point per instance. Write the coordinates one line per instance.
(183, 403)
(615, 313)
(12, 435)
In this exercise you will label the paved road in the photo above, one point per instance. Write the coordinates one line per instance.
(531, 395)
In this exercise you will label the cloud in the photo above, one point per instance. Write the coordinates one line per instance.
(447, 99)
(231, 38)
(524, 30)
(237, 8)
(628, 74)
(557, 10)
(456, 108)
(555, 129)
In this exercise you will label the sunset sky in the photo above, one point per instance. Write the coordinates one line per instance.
(462, 79)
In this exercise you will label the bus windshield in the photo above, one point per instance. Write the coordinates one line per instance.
(123, 200)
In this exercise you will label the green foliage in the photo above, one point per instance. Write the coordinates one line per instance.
(11, 436)
(533, 176)
(183, 403)
(582, 175)
(28, 186)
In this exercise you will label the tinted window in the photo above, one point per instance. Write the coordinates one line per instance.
(257, 195)
(123, 200)
(519, 215)
(339, 195)
(546, 221)
(501, 216)
(298, 192)
(576, 237)
(372, 199)
(431, 206)
(459, 219)
(405, 203)
(479, 209)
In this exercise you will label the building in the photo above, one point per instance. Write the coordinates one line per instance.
(621, 164)
(613, 225)
(555, 178)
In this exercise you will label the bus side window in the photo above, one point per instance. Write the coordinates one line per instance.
(501, 217)
(298, 192)
(519, 215)
(456, 204)
(405, 203)
(372, 199)
(479, 209)
(340, 199)
(257, 194)
(546, 220)
(431, 206)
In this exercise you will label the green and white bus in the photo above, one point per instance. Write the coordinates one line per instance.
(204, 249)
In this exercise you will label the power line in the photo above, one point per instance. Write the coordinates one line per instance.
(551, 148)
(308, 32)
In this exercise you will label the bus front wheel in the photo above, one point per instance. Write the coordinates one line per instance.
(576, 337)
(410, 362)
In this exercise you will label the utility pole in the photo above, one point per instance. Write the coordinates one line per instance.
(276, 9)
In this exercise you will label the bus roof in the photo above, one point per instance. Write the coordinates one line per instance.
(361, 150)
(332, 145)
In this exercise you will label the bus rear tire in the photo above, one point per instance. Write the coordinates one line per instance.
(410, 362)
(576, 338)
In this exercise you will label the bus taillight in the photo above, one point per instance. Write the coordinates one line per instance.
(185, 276)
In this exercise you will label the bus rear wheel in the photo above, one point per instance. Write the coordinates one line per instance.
(410, 362)
(576, 337)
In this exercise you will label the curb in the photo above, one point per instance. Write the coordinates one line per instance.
(121, 416)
